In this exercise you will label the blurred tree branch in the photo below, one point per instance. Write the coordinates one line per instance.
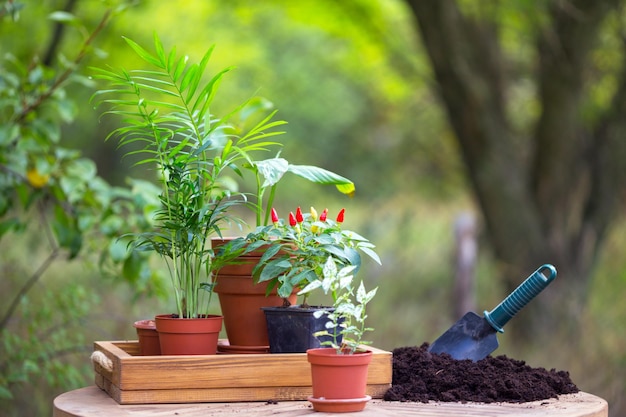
(57, 35)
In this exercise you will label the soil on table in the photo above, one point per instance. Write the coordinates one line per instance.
(421, 376)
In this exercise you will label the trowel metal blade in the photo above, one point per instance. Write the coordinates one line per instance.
(472, 337)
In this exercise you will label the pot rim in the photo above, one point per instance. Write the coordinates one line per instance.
(145, 324)
(295, 307)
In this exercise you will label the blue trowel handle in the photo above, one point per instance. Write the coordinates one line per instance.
(521, 296)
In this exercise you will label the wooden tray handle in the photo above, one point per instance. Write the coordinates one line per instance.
(101, 359)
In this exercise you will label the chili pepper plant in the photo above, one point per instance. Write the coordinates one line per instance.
(299, 248)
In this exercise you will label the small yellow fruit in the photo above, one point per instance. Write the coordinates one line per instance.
(36, 179)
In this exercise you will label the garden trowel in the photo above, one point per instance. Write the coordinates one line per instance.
(474, 337)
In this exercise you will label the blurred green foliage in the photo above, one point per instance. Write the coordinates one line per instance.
(53, 196)
(349, 77)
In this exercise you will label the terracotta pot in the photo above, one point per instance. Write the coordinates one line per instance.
(241, 301)
(149, 344)
(339, 381)
(188, 336)
(290, 329)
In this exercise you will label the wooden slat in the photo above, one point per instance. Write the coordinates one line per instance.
(234, 395)
(92, 402)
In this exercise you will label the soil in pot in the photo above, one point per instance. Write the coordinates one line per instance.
(421, 376)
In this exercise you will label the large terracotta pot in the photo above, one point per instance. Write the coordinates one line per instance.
(148, 337)
(241, 301)
(339, 381)
(197, 336)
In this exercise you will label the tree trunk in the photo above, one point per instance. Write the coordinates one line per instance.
(548, 197)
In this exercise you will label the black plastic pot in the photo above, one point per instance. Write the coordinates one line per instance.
(290, 329)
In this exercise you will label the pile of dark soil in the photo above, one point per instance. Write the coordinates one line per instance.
(421, 376)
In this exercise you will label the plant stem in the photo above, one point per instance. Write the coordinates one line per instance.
(270, 203)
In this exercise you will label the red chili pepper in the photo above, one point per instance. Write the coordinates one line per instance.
(299, 217)
(324, 215)
(274, 215)
(341, 215)
(292, 219)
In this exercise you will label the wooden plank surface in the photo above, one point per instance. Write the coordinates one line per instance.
(93, 402)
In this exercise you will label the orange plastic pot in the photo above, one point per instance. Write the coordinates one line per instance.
(197, 336)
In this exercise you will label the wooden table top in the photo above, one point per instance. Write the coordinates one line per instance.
(93, 402)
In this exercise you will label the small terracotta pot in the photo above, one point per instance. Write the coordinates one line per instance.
(197, 336)
(339, 381)
(148, 338)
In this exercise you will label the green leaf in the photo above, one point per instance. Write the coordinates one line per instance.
(67, 110)
(66, 231)
(8, 133)
(310, 287)
(131, 271)
(143, 54)
(30, 366)
(274, 269)
(285, 290)
(65, 17)
(158, 47)
(190, 80)
(83, 168)
(118, 250)
(196, 74)
(180, 67)
(371, 254)
(272, 170)
(208, 92)
(323, 176)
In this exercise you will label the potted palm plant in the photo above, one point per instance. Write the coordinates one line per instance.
(167, 123)
(296, 252)
(197, 157)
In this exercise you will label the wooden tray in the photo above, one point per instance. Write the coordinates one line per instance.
(132, 379)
